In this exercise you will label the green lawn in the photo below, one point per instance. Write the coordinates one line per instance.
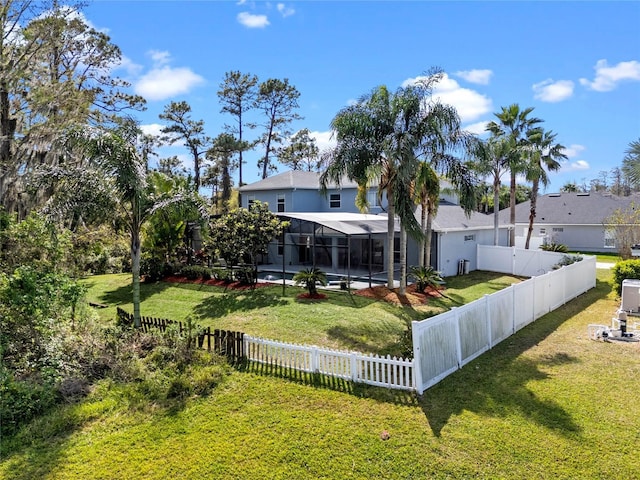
(545, 403)
(343, 321)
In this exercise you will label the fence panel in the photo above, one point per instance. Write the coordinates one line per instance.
(473, 325)
(501, 315)
(495, 259)
(446, 342)
(370, 369)
(524, 303)
(436, 348)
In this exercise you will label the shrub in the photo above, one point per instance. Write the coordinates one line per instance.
(425, 277)
(626, 269)
(310, 277)
(567, 260)
(152, 268)
(194, 272)
(22, 400)
(554, 247)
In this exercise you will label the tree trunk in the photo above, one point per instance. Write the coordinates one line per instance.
(403, 261)
(512, 209)
(7, 126)
(265, 164)
(532, 211)
(496, 211)
(428, 233)
(135, 272)
(390, 240)
(422, 250)
(196, 169)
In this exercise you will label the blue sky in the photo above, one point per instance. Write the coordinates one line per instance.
(576, 63)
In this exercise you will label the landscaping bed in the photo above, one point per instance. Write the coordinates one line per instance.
(412, 297)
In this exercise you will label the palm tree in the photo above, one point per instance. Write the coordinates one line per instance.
(513, 124)
(113, 157)
(544, 154)
(310, 277)
(631, 164)
(383, 138)
(375, 141)
(492, 159)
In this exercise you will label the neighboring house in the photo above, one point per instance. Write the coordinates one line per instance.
(573, 219)
(327, 231)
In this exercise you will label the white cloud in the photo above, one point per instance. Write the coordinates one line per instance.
(160, 57)
(578, 165)
(164, 81)
(608, 77)
(481, 77)
(151, 129)
(250, 20)
(324, 140)
(129, 66)
(551, 91)
(478, 128)
(470, 104)
(574, 150)
(284, 10)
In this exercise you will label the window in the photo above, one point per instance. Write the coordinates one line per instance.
(334, 200)
(558, 229)
(280, 245)
(543, 231)
(469, 238)
(250, 200)
(372, 199)
(281, 202)
(609, 239)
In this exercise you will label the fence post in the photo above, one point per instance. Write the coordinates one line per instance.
(314, 359)
(456, 325)
(416, 371)
(354, 367)
(513, 308)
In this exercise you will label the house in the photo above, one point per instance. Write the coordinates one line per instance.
(572, 219)
(298, 191)
(327, 231)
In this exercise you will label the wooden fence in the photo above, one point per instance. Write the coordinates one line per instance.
(387, 372)
(223, 342)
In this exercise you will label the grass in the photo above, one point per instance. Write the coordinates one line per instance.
(545, 403)
(343, 321)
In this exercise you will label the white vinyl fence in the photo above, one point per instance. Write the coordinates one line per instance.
(447, 342)
(370, 369)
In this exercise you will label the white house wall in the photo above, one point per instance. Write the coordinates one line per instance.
(452, 247)
(579, 238)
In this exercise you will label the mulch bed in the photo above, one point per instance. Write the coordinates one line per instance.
(381, 292)
(217, 283)
(411, 298)
(308, 296)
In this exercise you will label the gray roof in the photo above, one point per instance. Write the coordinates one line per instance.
(451, 218)
(572, 208)
(343, 222)
(293, 179)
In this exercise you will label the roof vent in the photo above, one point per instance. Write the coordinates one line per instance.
(583, 194)
(554, 195)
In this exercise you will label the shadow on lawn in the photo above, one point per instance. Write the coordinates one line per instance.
(495, 384)
(124, 294)
(238, 301)
(397, 397)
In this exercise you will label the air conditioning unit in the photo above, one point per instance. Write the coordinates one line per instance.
(631, 296)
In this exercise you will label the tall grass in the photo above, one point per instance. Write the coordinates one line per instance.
(545, 403)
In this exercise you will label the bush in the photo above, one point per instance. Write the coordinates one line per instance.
(425, 277)
(626, 269)
(22, 400)
(567, 260)
(194, 272)
(554, 247)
